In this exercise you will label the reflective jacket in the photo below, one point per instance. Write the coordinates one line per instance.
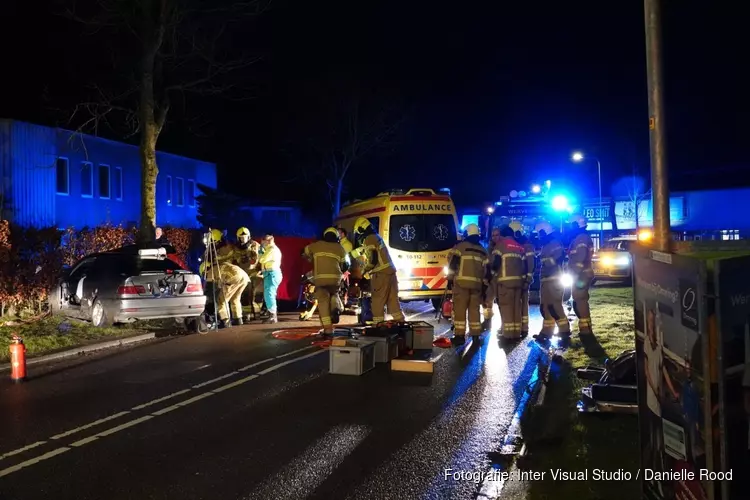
(470, 268)
(580, 253)
(348, 247)
(378, 258)
(245, 257)
(530, 261)
(508, 262)
(328, 262)
(552, 257)
(270, 259)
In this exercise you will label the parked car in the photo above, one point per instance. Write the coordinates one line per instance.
(126, 285)
(613, 262)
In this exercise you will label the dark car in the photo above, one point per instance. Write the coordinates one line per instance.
(127, 285)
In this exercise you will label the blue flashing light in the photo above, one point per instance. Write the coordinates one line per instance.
(548, 184)
(560, 203)
(536, 189)
(469, 219)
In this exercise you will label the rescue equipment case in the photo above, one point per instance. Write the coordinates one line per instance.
(354, 358)
(419, 335)
(386, 348)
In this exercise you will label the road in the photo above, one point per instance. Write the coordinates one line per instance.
(238, 414)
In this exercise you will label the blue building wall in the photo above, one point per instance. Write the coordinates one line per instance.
(54, 177)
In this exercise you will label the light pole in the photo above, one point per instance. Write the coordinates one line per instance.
(578, 157)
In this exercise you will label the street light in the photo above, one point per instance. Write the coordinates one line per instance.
(579, 157)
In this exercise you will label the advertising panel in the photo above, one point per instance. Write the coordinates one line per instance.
(670, 317)
(732, 278)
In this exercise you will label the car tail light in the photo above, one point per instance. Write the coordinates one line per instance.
(194, 288)
(131, 290)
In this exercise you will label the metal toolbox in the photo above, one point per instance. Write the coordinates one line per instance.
(419, 335)
(354, 358)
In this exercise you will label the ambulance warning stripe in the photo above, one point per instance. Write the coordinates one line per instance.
(431, 276)
(419, 198)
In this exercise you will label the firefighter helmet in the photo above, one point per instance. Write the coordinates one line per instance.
(332, 231)
(516, 226)
(217, 235)
(243, 235)
(361, 224)
(472, 230)
(579, 220)
(544, 226)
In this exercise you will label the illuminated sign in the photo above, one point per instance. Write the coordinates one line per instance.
(628, 216)
(422, 207)
(521, 210)
(597, 213)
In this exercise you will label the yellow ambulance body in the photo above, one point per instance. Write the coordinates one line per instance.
(419, 226)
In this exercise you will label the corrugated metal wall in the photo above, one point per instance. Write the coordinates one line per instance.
(32, 171)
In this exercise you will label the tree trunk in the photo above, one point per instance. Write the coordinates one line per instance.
(149, 173)
(337, 197)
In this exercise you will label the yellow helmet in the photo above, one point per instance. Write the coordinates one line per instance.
(217, 235)
(579, 220)
(243, 231)
(516, 226)
(472, 230)
(361, 224)
(544, 226)
(332, 231)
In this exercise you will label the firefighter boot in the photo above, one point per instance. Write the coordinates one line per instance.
(237, 322)
(458, 340)
(224, 323)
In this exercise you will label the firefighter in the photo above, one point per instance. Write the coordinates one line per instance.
(508, 271)
(530, 270)
(552, 290)
(231, 280)
(245, 254)
(580, 252)
(468, 263)
(329, 262)
(489, 296)
(383, 279)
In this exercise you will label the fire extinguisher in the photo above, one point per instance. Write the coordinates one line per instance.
(17, 359)
(447, 310)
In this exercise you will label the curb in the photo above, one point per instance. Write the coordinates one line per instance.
(77, 351)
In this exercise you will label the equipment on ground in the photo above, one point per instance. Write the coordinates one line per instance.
(210, 268)
(17, 359)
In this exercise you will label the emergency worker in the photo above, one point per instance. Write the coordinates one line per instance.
(329, 262)
(530, 270)
(230, 280)
(245, 254)
(382, 272)
(270, 264)
(489, 295)
(580, 253)
(552, 291)
(509, 274)
(468, 263)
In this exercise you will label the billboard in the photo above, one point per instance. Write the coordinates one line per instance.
(732, 291)
(670, 318)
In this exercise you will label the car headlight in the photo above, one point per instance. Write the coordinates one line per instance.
(404, 267)
(622, 261)
(566, 280)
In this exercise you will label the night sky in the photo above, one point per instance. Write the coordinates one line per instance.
(495, 97)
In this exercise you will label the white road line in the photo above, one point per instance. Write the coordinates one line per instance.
(155, 401)
(92, 424)
(137, 421)
(21, 450)
(33, 461)
(276, 367)
(294, 352)
(209, 382)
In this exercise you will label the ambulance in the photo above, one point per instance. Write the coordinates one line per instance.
(418, 226)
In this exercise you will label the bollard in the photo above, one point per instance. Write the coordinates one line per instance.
(17, 359)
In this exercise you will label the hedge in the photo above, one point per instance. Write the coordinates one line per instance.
(31, 259)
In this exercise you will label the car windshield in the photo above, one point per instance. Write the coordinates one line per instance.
(133, 265)
(617, 245)
(422, 232)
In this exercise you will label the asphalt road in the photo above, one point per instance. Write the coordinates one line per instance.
(238, 414)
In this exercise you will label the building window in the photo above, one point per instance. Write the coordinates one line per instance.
(180, 192)
(87, 179)
(169, 189)
(191, 192)
(62, 176)
(117, 183)
(104, 188)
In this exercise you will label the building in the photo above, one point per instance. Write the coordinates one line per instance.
(53, 177)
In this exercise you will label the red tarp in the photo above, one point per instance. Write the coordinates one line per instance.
(293, 265)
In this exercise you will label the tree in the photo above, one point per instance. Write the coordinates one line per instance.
(164, 49)
(635, 189)
(350, 130)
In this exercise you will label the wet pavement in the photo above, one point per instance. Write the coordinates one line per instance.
(238, 414)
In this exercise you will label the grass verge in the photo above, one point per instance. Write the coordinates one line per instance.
(53, 333)
(558, 437)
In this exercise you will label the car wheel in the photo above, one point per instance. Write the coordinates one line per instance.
(99, 316)
(196, 325)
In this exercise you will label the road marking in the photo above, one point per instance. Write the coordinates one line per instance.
(155, 401)
(33, 461)
(92, 424)
(208, 382)
(294, 352)
(21, 450)
(137, 421)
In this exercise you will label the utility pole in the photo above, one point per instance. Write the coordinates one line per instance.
(659, 170)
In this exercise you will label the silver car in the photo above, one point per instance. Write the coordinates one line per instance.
(126, 285)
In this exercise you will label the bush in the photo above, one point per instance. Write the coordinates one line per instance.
(31, 259)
